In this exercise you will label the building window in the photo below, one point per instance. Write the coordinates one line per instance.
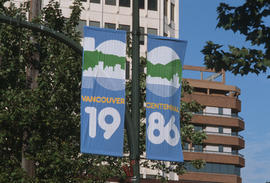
(220, 129)
(185, 146)
(215, 168)
(95, 1)
(124, 3)
(220, 110)
(110, 26)
(80, 26)
(198, 128)
(172, 12)
(94, 23)
(220, 148)
(198, 148)
(124, 27)
(166, 8)
(152, 31)
(141, 4)
(110, 2)
(142, 35)
(152, 5)
(83, 0)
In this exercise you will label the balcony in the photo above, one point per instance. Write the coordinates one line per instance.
(231, 121)
(212, 100)
(215, 157)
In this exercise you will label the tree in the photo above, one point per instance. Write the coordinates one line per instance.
(50, 113)
(249, 20)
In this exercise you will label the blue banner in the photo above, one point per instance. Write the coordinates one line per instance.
(164, 73)
(103, 91)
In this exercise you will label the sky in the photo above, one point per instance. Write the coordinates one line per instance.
(198, 20)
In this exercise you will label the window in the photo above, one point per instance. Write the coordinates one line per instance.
(124, 27)
(152, 5)
(109, 26)
(80, 26)
(215, 168)
(185, 146)
(220, 110)
(142, 35)
(95, 1)
(220, 129)
(83, 0)
(166, 8)
(141, 4)
(172, 12)
(220, 148)
(110, 2)
(94, 23)
(152, 31)
(198, 148)
(124, 3)
(198, 128)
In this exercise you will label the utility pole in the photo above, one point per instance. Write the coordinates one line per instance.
(135, 97)
(31, 78)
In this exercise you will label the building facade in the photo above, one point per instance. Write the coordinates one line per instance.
(222, 124)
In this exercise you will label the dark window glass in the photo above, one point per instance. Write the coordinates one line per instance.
(152, 31)
(198, 128)
(185, 146)
(198, 148)
(142, 35)
(220, 129)
(80, 26)
(220, 148)
(220, 110)
(172, 12)
(124, 3)
(83, 0)
(141, 4)
(94, 23)
(124, 27)
(166, 8)
(109, 26)
(110, 2)
(152, 5)
(95, 1)
(215, 168)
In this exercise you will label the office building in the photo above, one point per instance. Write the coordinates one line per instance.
(222, 124)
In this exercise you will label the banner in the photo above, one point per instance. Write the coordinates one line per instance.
(103, 91)
(163, 92)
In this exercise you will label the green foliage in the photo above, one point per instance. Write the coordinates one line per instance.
(50, 113)
(249, 20)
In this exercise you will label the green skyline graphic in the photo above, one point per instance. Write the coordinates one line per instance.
(91, 59)
(165, 71)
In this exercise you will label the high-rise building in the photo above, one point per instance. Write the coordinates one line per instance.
(222, 124)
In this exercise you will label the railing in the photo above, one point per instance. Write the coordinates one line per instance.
(219, 115)
(214, 152)
(224, 134)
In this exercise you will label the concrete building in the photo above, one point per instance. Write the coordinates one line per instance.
(222, 124)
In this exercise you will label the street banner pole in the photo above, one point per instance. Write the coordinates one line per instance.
(134, 154)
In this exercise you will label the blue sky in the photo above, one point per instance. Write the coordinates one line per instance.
(198, 20)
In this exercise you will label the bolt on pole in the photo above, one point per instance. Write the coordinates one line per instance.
(135, 98)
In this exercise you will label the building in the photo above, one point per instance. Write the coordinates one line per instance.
(222, 124)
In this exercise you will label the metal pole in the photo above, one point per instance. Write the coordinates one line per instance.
(31, 74)
(134, 154)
